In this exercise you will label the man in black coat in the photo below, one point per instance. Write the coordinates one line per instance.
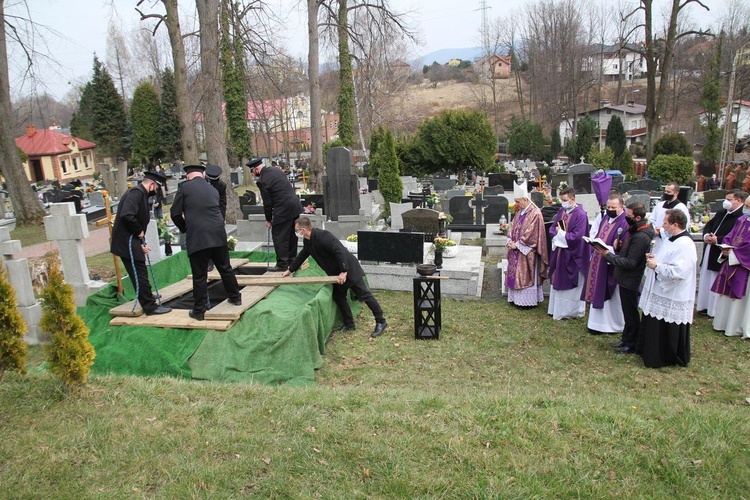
(630, 263)
(196, 212)
(213, 175)
(282, 207)
(336, 260)
(713, 233)
(129, 238)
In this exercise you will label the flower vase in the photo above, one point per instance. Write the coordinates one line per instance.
(438, 259)
(167, 248)
(442, 223)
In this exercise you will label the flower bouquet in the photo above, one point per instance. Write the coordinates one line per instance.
(231, 243)
(504, 228)
(445, 246)
(351, 243)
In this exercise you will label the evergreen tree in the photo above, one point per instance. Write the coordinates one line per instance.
(108, 116)
(603, 159)
(616, 139)
(82, 121)
(673, 143)
(375, 140)
(555, 142)
(711, 103)
(12, 329)
(389, 182)
(145, 117)
(233, 84)
(70, 354)
(525, 139)
(346, 80)
(626, 163)
(585, 138)
(169, 125)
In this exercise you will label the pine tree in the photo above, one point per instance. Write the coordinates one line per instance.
(108, 116)
(616, 139)
(711, 103)
(169, 125)
(70, 354)
(12, 330)
(82, 121)
(585, 138)
(145, 116)
(389, 182)
(555, 142)
(375, 141)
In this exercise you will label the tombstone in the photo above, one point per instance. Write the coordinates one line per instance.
(341, 186)
(579, 177)
(317, 201)
(537, 197)
(626, 187)
(497, 206)
(389, 246)
(649, 185)
(616, 181)
(503, 179)
(20, 279)
(455, 192)
(69, 229)
(252, 228)
(686, 192)
(408, 185)
(421, 220)
(345, 226)
(107, 176)
(234, 178)
(493, 190)
(461, 210)
(640, 198)
(713, 195)
(372, 185)
(443, 184)
(96, 199)
(396, 210)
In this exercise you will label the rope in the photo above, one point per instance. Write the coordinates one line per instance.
(137, 281)
(268, 247)
(153, 278)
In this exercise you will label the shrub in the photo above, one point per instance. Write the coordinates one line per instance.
(70, 354)
(671, 168)
(673, 143)
(626, 163)
(601, 159)
(389, 182)
(12, 329)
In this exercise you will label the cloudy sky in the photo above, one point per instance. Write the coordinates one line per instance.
(72, 31)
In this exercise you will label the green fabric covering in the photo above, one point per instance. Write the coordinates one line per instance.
(279, 339)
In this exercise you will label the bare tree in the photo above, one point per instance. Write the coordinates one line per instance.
(26, 207)
(313, 72)
(659, 55)
(119, 61)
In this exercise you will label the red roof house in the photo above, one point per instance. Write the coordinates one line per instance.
(53, 155)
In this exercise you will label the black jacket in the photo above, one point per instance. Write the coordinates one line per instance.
(195, 211)
(280, 203)
(720, 226)
(330, 255)
(630, 261)
(132, 218)
(221, 187)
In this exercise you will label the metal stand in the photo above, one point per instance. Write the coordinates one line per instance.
(427, 316)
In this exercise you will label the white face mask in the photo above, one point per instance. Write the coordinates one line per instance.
(726, 205)
(299, 235)
(566, 205)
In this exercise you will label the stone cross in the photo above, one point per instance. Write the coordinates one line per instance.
(69, 229)
(20, 279)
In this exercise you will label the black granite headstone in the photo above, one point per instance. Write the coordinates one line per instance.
(387, 246)
(341, 185)
(502, 179)
(460, 210)
(537, 197)
(626, 187)
(443, 183)
(497, 206)
(493, 190)
(580, 177)
(649, 184)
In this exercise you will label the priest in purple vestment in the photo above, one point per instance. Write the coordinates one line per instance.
(527, 252)
(569, 261)
(733, 305)
(600, 290)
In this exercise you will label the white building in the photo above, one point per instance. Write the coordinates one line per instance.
(615, 62)
(631, 115)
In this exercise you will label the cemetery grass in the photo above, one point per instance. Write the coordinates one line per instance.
(29, 235)
(507, 403)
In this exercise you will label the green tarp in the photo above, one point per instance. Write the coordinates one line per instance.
(279, 339)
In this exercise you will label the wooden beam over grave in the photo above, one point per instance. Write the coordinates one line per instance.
(176, 318)
(248, 280)
(167, 293)
(251, 295)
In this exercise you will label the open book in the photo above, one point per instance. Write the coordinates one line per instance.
(723, 246)
(597, 242)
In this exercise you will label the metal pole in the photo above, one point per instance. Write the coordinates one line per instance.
(727, 121)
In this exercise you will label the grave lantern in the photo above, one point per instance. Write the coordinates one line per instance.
(427, 311)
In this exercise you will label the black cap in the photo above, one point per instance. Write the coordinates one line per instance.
(213, 172)
(193, 168)
(158, 178)
(254, 162)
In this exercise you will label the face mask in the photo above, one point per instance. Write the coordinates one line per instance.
(746, 211)
(299, 235)
(629, 220)
(566, 205)
(667, 197)
(726, 205)
(611, 214)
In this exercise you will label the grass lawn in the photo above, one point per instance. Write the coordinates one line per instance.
(507, 404)
(29, 235)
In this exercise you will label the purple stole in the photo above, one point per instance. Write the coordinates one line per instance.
(516, 231)
(732, 280)
(600, 284)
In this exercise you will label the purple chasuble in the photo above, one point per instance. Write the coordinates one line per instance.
(732, 280)
(566, 264)
(515, 234)
(600, 283)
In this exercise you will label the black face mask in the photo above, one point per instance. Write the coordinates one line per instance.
(667, 197)
(611, 214)
(631, 220)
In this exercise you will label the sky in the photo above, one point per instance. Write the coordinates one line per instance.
(75, 30)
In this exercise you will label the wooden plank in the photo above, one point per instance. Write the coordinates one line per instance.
(167, 293)
(251, 295)
(235, 263)
(177, 318)
(276, 279)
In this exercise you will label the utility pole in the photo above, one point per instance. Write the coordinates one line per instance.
(741, 53)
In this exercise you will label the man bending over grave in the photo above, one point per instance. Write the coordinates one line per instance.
(336, 260)
(129, 238)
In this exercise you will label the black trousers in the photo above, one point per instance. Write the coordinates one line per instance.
(139, 279)
(284, 242)
(629, 304)
(363, 293)
(199, 267)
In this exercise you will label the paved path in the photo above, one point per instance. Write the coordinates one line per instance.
(96, 243)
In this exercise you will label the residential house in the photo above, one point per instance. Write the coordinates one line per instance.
(631, 115)
(493, 66)
(53, 155)
(615, 63)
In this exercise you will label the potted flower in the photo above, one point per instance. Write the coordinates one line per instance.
(231, 243)
(432, 200)
(444, 247)
(351, 243)
(504, 228)
(162, 225)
